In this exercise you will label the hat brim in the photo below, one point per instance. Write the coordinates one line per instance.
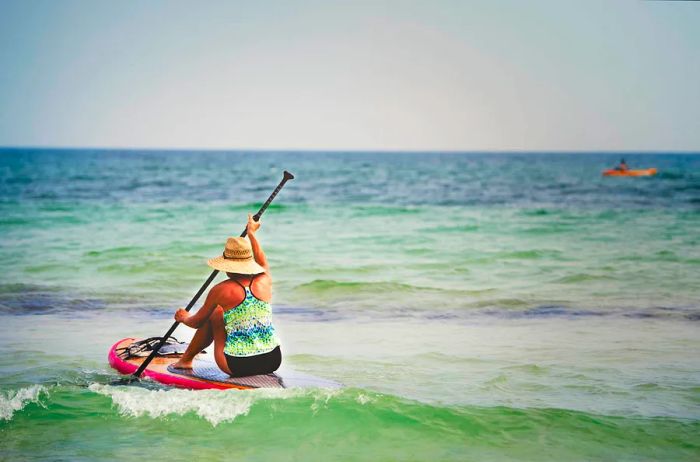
(235, 266)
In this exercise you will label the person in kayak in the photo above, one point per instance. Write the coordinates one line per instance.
(622, 166)
(237, 315)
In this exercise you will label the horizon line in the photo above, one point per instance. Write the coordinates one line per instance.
(352, 151)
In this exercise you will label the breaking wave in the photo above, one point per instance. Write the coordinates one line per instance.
(12, 401)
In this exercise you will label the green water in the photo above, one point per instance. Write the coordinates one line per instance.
(350, 425)
(477, 307)
(536, 390)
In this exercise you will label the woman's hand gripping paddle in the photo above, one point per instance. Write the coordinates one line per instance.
(287, 176)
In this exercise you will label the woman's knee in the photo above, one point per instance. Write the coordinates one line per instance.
(217, 316)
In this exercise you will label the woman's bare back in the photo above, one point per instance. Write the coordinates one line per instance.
(231, 292)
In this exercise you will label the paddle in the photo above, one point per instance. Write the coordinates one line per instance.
(287, 176)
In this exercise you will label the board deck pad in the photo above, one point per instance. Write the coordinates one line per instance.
(283, 378)
(206, 374)
(207, 370)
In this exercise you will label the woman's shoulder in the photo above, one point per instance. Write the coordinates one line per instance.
(261, 287)
(226, 289)
(228, 293)
(263, 277)
(223, 285)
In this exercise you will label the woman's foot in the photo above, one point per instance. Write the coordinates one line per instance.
(182, 364)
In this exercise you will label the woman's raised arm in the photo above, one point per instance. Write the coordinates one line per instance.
(258, 253)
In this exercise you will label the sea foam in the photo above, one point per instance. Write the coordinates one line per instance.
(215, 406)
(12, 401)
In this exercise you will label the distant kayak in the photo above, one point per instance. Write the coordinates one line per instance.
(205, 375)
(642, 172)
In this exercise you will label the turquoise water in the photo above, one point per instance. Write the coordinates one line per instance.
(477, 306)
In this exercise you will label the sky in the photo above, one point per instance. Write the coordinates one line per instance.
(351, 75)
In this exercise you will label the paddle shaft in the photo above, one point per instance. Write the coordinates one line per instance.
(287, 176)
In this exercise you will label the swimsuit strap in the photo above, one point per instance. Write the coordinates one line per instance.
(248, 289)
(253, 276)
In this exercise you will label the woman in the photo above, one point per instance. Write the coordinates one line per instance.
(236, 315)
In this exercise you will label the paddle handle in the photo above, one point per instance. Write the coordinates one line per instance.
(287, 176)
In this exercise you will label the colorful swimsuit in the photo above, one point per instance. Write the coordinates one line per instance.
(250, 336)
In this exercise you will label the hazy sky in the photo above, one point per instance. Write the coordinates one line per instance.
(419, 75)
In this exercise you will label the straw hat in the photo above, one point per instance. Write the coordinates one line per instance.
(237, 258)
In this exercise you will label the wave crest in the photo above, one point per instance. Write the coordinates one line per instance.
(214, 406)
(12, 401)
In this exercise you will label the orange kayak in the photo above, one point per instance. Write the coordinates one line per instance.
(643, 172)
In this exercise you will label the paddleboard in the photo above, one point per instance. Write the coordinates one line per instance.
(205, 374)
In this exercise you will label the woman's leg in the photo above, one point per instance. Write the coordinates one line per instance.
(202, 339)
(219, 332)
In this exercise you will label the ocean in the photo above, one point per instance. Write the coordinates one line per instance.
(476, 306)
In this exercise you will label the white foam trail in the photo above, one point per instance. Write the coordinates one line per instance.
(215, 406)
(12, 401)
(322, 396)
